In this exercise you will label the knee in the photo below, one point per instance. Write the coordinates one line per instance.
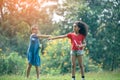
(81, 65)
(73, 65)
(29, 67)
(36, 68)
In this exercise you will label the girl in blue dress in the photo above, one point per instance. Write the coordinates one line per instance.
(33, 50)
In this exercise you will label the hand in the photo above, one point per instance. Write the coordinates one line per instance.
(49, 36)
(79, 46)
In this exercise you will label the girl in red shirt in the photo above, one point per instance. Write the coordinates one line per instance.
(77, 44)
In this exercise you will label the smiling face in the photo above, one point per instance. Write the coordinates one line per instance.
(76, 28)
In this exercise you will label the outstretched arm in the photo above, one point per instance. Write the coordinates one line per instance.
(58, 37)
(43, 36)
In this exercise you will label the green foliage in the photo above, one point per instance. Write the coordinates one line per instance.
(56, 58)
(12, 63)
(102, 16)
(103, 38)
(14, 38)
(106, 33)
(16, 18)
(89, 76)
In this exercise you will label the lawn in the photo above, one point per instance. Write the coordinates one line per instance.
(89, 76)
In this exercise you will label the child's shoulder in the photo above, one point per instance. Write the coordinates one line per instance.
(81, 35)
(33, 35)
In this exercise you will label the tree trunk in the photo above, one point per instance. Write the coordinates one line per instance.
(113, 62)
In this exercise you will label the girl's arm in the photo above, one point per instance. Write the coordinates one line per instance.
(43, 36)
(83, 44)
(58, 37)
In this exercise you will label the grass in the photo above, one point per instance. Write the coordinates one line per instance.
(89, 76)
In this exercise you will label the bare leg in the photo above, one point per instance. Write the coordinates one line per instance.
(28, 69)
(37, 71)
(81, 65)
(73, 62)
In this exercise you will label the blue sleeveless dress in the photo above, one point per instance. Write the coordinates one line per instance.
(33, 51)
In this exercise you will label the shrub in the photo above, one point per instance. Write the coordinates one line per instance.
(12, 63)
(56, 58)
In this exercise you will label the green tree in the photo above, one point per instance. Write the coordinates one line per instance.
(16, 17)
(102, 16)
(107, 33)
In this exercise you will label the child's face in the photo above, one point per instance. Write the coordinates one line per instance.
(35, 30)
(76, 28)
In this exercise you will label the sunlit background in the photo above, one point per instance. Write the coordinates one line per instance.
(56, 17)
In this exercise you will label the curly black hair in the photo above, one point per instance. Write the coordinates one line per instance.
(83, 27)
